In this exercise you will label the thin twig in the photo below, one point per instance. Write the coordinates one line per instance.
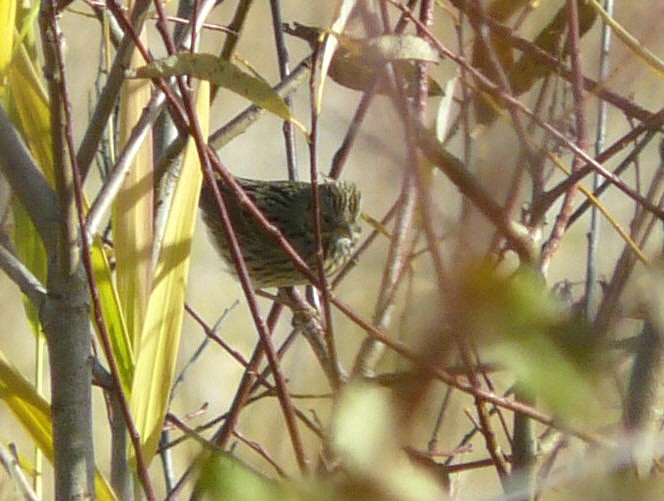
(109, 96)
(21, 276)
(600, 135)
(282, 57)
(261, 452)
(553, 243)
(266, 341)
(591, 163)
(328, 332)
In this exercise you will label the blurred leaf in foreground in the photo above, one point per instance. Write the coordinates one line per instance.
(551, 352)
(367, 439)
(223, 476)
(527, 70)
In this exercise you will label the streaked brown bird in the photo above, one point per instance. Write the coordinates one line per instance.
(288, 206)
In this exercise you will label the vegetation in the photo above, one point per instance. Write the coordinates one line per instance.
(497, 332)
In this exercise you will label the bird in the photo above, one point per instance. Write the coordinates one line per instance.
(287, 205)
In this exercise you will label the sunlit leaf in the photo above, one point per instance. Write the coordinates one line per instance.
(219, 72)
(159, 342)
(341, 15)
(29, 408)
(27, 15)
(445, 110)
(28, 108)
(133, 208)
(7, 20)
(32, 254)
(33, 412)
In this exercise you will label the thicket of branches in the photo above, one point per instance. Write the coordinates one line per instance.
(498, 332)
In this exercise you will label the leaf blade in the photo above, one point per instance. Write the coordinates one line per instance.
(219, 72)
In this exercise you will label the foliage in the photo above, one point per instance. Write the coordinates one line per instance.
(472, 334)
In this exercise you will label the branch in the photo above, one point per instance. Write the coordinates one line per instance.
(21, 276)
(28, 183)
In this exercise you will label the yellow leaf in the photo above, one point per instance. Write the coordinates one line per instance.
(34, 414)
(133, 213)
(29, 110)
(157, 352)
(341, 16)
(30, 105)
(29, 408)
(7, 20)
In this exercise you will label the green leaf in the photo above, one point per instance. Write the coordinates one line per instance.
(551, 353)
(112, 313)
(367, 439)
(224, 477)
(219, 72)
